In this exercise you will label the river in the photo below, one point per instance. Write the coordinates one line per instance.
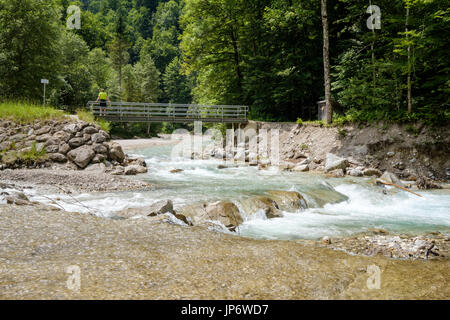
(364, 205)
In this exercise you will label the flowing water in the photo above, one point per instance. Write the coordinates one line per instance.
(363, 205)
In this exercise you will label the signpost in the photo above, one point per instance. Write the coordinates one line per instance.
(45, 82)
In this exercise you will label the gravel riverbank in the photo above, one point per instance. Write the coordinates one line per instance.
(150, 259)
(69, 181)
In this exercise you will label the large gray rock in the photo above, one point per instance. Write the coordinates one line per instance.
(99, 158)
(62, 135)
(64, 148)
(76, 142)
(98, 138)
(53, 148)
(72, 128)
(52, 141)
(57, 157)
(86, 137)
(81, 156)
(134, 169)
(90, 130)
(290, 201)
(266, 204)
(99, 148)
(115, 152)
(105, 134)
(43, 138)
(334, 162)
(43, 130)
(224, 212)
(390, 177)
(96, 167)
(18, 137)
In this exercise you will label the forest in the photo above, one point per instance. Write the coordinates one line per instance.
(267, 54)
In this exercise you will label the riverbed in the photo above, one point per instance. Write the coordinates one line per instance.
(361, 205)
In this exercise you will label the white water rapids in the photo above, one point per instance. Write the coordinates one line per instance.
(367, 206)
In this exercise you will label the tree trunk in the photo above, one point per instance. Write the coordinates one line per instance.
(326, 62)
(372, 48)
(409, 62)
(120, 69)
(236, 59)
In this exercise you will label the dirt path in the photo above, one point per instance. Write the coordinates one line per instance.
(149, 259)
(133, 144)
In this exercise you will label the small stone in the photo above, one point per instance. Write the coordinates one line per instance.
(64, 148)
(76, 142)
(57, 157)
(98, 138)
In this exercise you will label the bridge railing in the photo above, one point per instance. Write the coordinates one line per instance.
(156, 112)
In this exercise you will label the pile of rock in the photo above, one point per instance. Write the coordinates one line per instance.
(223, 213)
(431, 246)
(78, 144)
(231, 215)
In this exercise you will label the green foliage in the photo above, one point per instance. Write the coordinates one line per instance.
(177, 85)
(299, 121)
(32, 155)
(89, 117)
(266, 54)
(29, 36)
(25, 112)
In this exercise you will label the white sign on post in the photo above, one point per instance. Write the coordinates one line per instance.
(44, 81)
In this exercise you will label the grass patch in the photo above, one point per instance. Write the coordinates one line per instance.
(22, 112)
(89, 117)
(33, 155)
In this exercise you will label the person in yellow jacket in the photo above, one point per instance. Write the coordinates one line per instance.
(103, 97)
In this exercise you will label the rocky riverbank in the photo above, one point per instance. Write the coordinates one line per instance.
(418, 154)
(63, 144)
(50, 180)
(149, 258)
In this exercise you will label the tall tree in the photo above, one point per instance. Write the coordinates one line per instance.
(326, 61)
(118, 47)
(29, 37)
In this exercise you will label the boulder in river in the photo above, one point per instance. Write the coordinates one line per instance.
(318, 197)
(290, 201)
(224, 212)
(391, 178)
(334, 162)
(267, 205)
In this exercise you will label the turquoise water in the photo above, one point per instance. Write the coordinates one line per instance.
(366, 207)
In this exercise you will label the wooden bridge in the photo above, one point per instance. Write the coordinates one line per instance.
(167, 112)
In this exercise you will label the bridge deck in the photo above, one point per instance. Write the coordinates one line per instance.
(165, 112)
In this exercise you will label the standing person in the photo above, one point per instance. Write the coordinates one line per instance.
(103, 97)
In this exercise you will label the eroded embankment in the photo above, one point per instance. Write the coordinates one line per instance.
(149, 259)
(410, 151)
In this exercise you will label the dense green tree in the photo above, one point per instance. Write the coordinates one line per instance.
(75, 82)
(176, 84)
(30, 32)
(100, 68)
(119, 45)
